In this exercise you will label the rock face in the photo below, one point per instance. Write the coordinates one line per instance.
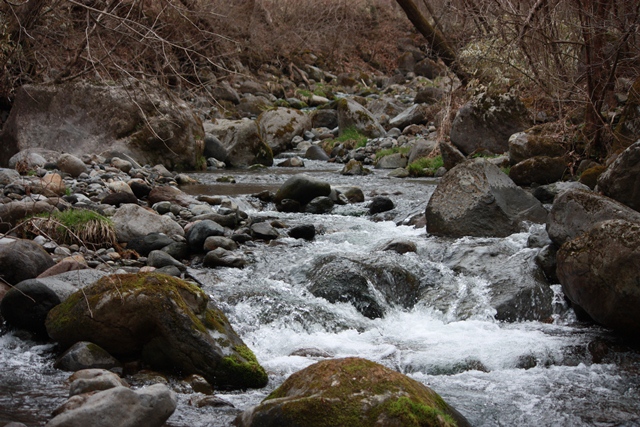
(119, 407)
(351, 392)
(487, 123)
(83, 118)
(22, 260)
(576, 211)
(353, 115)
(132, 221)
(599, 273)
(165, 321)
(476, 199)
(242, 141)
(278, 127)
(621, 181)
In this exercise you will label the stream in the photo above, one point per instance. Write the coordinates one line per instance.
(496, 374)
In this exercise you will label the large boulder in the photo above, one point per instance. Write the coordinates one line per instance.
(451, 156)
(132, 221)
(22, 260)
(147, 124)
(302, 188)
(351, 392)
(487, 122)
(353, 115)
(118, 407)
(414, 115)
(541, 140)
(476, 198)
(168, 193)
(277, 127)
(26, 305)
(599, 272)
(621, 181)
(168, 323)
(539, 170)
(576, 211)
(242, 141)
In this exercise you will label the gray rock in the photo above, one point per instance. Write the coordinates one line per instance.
(94, 379)
(392, 161)
(422, 148)
(575, 212)
(547, 193)
(353, 194)
(7, 176)
(487, 122)
(22, 260)
(451, 156)
(302, 188)
(316, 152)
(399, 173)
(86, 355)
(532, 143)
(429, 95)
(264, 231)
(621, 180)
(26, 305)
(292, 162)
(319, 205)
(149, 407)
(221, 257)
(213, 147)
(214, 242)
(539, 170)
(277, 127)
(599, 273)
(476, 199)
(160, 259)
(199, 232)
(380, 204)
(414, 115)
(242, 141)
(150, 242)
(71, 164)
(13, 212)
(401, 246)
(122, 164)
(324, 118)
(225, 92)
(354, 168)
(131, 221)
(353, 115)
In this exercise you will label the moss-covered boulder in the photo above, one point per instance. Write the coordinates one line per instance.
(539, 170)
(351, 392)
(168, 323)
(542, 140)
(242, 141)
(278, 126)
(353, 115)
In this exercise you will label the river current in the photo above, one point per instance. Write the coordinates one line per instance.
(496, 374)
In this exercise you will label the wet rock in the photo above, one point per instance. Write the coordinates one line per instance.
(94, 379)
(575, 212)
(476, 199)
(167, 322)
(319, 206)
(400, 246)
(131, 221)
(149, 406)
(277, 127)
(353, 115)
(353, 194)
(86, 355)
(22, 260)
(150, 242)
(599, 273)
(621, 180)
(315, 152)
(213, 147)
(538, 170)
(68, 163)
(305, 231)
(264, 231)
(160, 259)
(214, 242)
(198, 233)
(220, 257)
(380, 204)
(302, 188)
(292, 162)
(140, 188)
(487, 122)
(368, 394)
(354, 168)
(242, 141)
(210, 402)
(288, 205)
(26, 305)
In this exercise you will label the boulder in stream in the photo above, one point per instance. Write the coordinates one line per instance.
(302, 188)
(476, 198)
(351, 392)
(167, 322)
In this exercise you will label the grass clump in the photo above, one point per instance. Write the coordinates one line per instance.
(350, 139)
(387, 152)
(425, 166)
(74, 226)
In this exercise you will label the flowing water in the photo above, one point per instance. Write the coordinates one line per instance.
(496, 374)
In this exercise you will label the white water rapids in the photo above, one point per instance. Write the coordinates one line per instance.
(495, 374)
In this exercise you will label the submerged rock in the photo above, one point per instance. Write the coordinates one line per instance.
(351, 392)
(165, 321)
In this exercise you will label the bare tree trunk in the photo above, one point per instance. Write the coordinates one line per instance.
(435, 39)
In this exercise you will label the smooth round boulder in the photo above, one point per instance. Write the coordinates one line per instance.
(72, 165)
(351, 392)
(131, 221)
(26, 305)
(380, 204)
(599, 273)
(302, 188)
(22, 260)
(213, 148)
(160, 259)
(167, 193)
(198, 233)
(315, 152)
(151, 242)
(214, 242)
(319, 205)
(94, 379)
(220, 257)
(119, 198)
(304, 231)
(86, 355)
(122, 164)
(264, 231)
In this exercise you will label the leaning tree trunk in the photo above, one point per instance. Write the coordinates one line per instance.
(436, 40)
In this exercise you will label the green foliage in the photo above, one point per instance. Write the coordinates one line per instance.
(506, 170)
(387, 152)
(79, 226)
(425, 166)
(350, 138)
